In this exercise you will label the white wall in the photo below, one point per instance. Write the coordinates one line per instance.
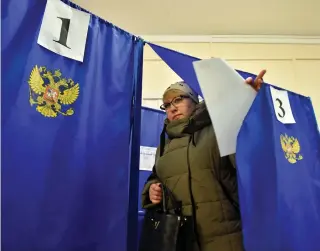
(295, 67)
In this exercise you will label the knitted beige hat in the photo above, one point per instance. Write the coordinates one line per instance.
(185, 88)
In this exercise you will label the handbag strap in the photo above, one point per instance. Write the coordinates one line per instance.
(164, 200)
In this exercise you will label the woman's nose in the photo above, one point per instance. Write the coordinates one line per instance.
(172, 108)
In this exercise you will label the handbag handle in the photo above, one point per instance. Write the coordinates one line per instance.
(164, 199)
(166, 194)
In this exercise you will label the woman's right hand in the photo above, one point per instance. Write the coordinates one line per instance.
(155, 193)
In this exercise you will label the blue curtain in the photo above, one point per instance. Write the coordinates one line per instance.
(182, 65)
(279, 177)
(65, 180)
(152, 121)
(132, 241)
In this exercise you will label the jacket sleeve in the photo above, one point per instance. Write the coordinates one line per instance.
(145, 200)
(228, 179)
(232, 159)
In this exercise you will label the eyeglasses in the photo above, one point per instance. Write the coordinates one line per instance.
(175, 102)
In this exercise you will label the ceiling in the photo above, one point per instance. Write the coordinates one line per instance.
(210, 17)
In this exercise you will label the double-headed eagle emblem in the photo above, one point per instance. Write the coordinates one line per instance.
(291, 148)
(50, 91)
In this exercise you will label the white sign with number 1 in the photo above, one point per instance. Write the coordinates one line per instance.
(282, 106)
(64, 30)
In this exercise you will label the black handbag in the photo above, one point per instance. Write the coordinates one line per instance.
(167, 230)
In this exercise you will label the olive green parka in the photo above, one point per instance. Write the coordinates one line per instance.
(192, 141)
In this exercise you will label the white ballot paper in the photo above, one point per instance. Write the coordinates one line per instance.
(147, 157)
(228, 99)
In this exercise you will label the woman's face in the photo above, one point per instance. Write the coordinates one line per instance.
(177, 105)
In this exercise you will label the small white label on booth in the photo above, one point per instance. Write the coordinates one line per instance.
(147, 157)
(282, 106)
(64, 30)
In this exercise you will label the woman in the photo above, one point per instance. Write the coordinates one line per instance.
(192, 145)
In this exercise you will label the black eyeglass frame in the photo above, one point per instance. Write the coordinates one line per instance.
(163, 106)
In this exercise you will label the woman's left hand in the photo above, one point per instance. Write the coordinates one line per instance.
(257, 83)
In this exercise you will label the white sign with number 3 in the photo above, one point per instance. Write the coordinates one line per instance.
(282, 106)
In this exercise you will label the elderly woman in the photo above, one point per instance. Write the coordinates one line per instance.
(192, 145)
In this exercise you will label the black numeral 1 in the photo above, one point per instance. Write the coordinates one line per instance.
(64, 32)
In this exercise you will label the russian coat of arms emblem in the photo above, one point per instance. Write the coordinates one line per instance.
(51, 92)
